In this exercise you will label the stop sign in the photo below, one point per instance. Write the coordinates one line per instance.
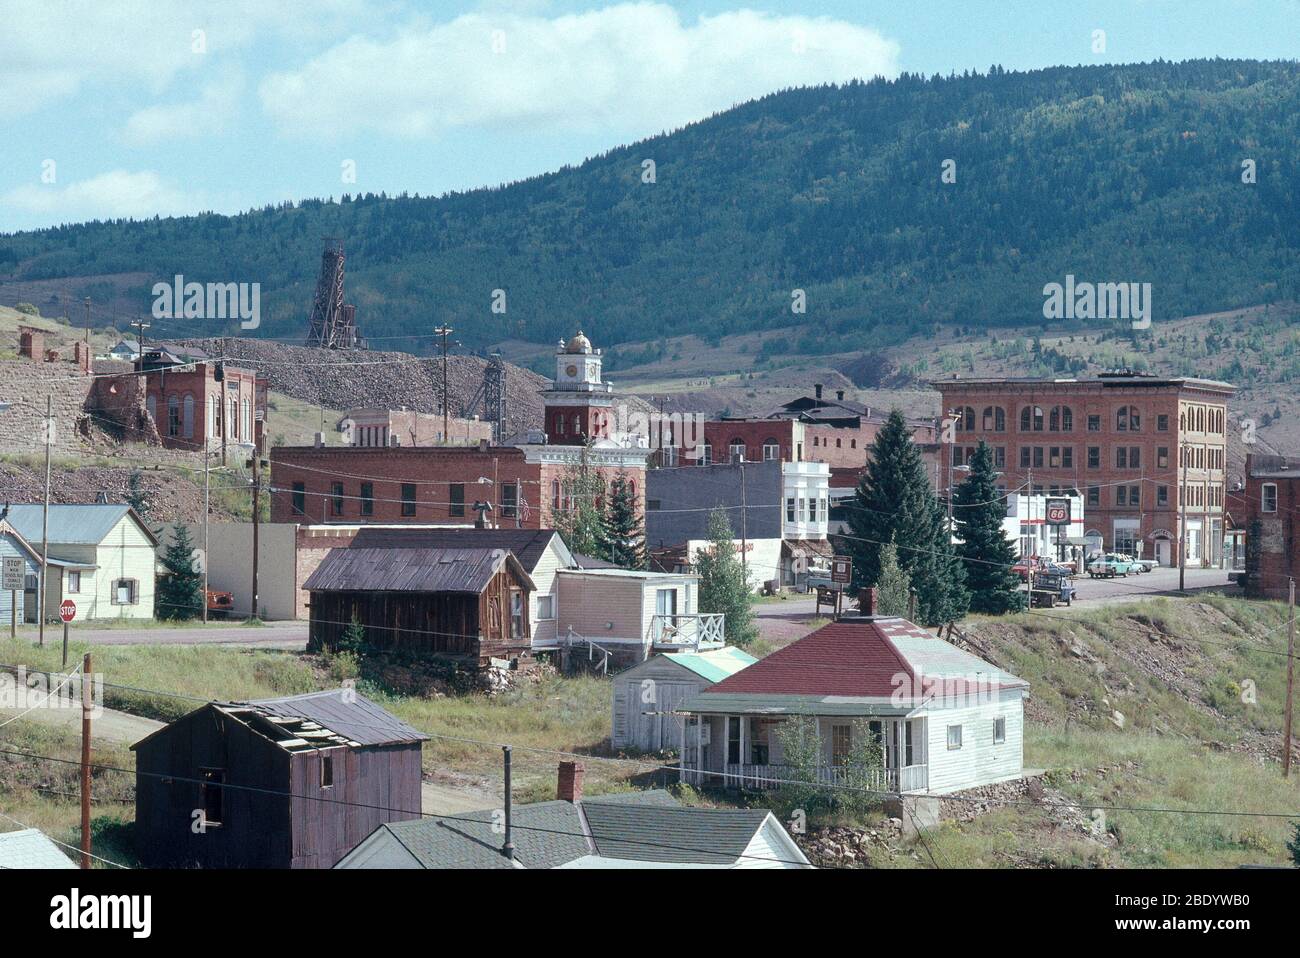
(68, 610)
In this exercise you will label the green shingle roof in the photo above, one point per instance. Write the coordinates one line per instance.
(657, 833)
(546, 834)
(715, 665)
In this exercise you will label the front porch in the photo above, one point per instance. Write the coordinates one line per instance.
(687, 632)
(744, 751)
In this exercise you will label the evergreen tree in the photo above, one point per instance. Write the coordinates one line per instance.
(581, 518)
(894, 585)
(978, 511)
(895, 503)
(722, 581)
(626, 533)
(137, 497)
(179, 594)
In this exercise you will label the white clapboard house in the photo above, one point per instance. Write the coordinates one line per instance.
(646, 695)
(946, 720)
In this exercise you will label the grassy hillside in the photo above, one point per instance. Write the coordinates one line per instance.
(1112, 173)
(1198, 684)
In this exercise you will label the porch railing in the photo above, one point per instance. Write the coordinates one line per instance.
(910, 778)
(696, 630)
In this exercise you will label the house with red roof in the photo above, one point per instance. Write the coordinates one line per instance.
(945, 720)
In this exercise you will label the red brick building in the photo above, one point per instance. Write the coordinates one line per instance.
(192, 398)
(524, 481)
(1268, 518)
(1128, 443)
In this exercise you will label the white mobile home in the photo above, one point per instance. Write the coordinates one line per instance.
(624, 615)
(646, 694)
(101, 556)
(944, 719)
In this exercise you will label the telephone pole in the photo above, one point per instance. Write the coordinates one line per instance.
(87, 695)
(87, 320)
(45, 525)
(257, 508)
(140, 326)
(206, 458)
(1290, 679)
(444, 331)
(744, 526)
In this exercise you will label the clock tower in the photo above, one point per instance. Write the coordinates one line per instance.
(579, 405)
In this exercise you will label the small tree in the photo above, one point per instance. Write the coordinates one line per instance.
(801, 757)
(137, 497)
(978, 511)
(894, 585)
(353, 638)
(723, 585)
(626, 533)
(860, 774)
(580, 518)
(180, 587)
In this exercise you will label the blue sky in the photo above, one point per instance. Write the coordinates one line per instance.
(130, 108)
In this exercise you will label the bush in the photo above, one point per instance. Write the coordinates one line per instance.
(28, 309)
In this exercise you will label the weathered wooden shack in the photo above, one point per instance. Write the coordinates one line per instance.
(469, 605)
(280, 783)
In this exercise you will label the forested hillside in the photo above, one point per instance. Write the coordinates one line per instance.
(1112, 173)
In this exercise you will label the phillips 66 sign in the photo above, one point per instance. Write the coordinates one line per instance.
(1058, 512)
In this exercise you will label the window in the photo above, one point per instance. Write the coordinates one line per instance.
(1162, 457)
(74, 582)
(173, 416)
(456, 495)
(736, 450)
(408, 498)
(705, 455)
(1061, 419)
(994, 419)
(1094, 457)
(516, 613)
(213, 787)
(1162, 423)
(1268, 501)
(1038, 457)
(954, 737)
(841, 744)
(999, 457)
(510, 500)
(299, 498)
(999, 731)
(1025, 453)
(771, 450)
(965, 419)
(326, 771)
(546, 607)
(1031, 419)
(367, 498)
(758, 751)
(1094, 424)
(789, 509)
(1127, 419)
(126, 592)
(1162, 495)
(189, 417)
(733, 740)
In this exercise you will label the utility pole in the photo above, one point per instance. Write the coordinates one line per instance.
(509, 849)
(1290, 679)
(744, 525)
(205, 526)
(1182, 510)
(45, 525)
(87, 320)
(140, 326)
(444, 331)
(87, 694)
(257, 507)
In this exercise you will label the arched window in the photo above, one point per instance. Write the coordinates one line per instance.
(966, 419)
(994, 419)
(151, 404)
(771, 450)
(173, 416)
(555, 494)
(1061, 419)
(737, 449)
(232, 426)
(246, 412)
(189, 417)
(1031, 419)
(577, 425)
(1127, 419)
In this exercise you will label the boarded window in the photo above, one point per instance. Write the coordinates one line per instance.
(213, 788)
(408, 498)
(367, 498)
(457, 507)
(509, 500)
(299, 498)
(336, 503)
(326, 771)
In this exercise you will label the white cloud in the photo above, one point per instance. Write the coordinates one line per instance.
(117, 193)
(211, 114)
(631, 69)
(52, 50)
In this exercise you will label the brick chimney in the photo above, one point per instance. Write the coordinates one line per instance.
(569, 788)
(868, 600)
(817, 390)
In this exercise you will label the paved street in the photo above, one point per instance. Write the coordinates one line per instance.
(1156, 582)
(272, 635)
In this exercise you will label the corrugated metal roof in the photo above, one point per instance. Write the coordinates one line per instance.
(715, 665)
(413, 569)
(79, 524)
(29, 848)
(345, 711)
(528, 545)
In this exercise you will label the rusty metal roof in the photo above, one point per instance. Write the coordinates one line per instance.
(345, 712)
(411, 570)
(528, 545)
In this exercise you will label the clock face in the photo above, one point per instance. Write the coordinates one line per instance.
(572, 370)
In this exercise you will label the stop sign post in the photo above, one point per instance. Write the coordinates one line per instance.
(67, 612)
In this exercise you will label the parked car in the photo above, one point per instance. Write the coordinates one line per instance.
(1051, 588)
(1145, 565)
(1109, 566)
(220, 604)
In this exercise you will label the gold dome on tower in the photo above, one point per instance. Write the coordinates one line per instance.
(578, 344)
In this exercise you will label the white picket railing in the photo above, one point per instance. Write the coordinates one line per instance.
(698, 630)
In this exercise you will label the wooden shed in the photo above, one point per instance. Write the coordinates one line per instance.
(465, 604)
(646, 694)
(281, 783)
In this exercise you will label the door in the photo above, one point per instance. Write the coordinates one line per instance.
(1163, 552)
(666, 610)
